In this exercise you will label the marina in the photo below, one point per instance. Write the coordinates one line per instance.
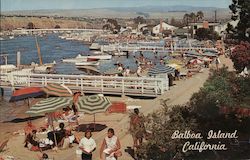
(114, 80)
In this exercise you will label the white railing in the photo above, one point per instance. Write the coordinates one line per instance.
(143, 86)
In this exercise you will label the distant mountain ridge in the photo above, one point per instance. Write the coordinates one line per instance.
(164, 8)
(124, 12)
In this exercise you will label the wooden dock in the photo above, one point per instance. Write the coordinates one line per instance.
(131, 86)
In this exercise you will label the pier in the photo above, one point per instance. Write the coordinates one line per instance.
(130, 86)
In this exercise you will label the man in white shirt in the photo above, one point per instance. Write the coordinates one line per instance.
(87, 145)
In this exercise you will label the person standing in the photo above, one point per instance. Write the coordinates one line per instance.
(138, 72)
(137, 127)
(110, 146)
(87, 146)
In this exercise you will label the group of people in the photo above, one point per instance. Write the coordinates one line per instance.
(57, 138)
(124, 72)
(62, 138)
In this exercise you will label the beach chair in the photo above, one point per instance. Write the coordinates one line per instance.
(3, 145)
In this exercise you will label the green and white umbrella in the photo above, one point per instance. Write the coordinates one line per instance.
(49, 105)
(93, 104)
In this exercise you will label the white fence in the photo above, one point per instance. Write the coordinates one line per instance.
(137, 86)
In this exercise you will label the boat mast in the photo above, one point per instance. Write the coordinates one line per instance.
(39, 52)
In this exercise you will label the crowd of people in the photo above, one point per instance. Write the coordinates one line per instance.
(62, 138)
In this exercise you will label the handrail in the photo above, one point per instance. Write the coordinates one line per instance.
(143, 86)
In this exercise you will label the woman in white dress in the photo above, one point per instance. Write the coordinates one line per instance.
(87, 145)
(110, 146)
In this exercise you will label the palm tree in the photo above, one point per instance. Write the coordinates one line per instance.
(186, 18)
(192, 17)
(199, 15)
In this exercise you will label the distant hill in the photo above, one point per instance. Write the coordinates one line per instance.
(129, 12)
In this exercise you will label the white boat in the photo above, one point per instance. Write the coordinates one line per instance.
(1, 39)
(89, 63)
(119, 53)
(95, 46)
(11, 37)
(7, 68)
(81, 58)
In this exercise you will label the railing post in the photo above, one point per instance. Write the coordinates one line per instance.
(45, 79)
(123, 87)
(29, 80)
(102, 85)
(156, 89)
(142, 86)
(82, 86)
(62, 80)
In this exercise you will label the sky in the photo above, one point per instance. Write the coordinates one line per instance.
(13, 5)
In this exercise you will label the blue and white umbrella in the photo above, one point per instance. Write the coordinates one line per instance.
(160, 69)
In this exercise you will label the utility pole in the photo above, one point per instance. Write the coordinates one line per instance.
(215, 16)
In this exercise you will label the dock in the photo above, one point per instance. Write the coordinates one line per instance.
(124, 86)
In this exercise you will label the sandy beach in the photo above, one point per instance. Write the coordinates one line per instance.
(180, 93)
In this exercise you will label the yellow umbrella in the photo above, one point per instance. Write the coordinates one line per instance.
(176, 61)
(174, 65)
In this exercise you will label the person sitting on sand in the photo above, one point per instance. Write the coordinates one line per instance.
(31, 141)
(44, 157)
(29, 128)
(60, 134)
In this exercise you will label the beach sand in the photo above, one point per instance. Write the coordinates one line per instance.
(178, 94)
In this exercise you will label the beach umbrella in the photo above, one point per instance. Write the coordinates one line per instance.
(57, 90)
(160, 69)
(93, 104)
(49, 105)
(26, 93)
(175, 66)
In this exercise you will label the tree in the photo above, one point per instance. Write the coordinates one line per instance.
(139, 20)
(205, 34)
(172, 21)
(241, 56)
(240, 11)
(57, 26)
(192, 17)
(186, 19)
(30, 25)
(107, 27)
(202, 114)
(199, 15)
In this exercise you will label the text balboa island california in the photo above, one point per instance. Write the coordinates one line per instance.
(201, 146)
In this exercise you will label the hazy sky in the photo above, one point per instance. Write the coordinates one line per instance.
(10, 5)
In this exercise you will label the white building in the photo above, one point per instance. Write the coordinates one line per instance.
(161, 27)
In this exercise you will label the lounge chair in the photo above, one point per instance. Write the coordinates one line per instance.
(3, 145)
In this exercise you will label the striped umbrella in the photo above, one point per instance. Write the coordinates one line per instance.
(160, 69)
(93, 104)
(49, 105)
(57, 90)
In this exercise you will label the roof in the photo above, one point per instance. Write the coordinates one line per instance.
(165, 25)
